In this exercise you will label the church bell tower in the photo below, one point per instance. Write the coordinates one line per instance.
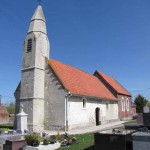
(35, 50)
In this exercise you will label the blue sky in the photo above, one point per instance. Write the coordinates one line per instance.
(110, 36)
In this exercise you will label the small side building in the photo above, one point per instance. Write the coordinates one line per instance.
(4, 115)
(123, 96)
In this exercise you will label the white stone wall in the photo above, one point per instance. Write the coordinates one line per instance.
(80, 117)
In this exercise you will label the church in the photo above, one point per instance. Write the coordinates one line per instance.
(57, 96)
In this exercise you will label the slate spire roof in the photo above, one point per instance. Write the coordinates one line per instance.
(117, 87)
(38, 15)
(79, 82)
(38, 23)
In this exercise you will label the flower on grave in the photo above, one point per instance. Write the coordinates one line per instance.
(69, 142)
(62, 137)
(74, 139)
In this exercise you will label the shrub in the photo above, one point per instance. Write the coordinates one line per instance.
(46, 140)
(58, 136)
(33, 139)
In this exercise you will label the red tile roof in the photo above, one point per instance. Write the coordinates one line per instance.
(113, 84)
(79, 82)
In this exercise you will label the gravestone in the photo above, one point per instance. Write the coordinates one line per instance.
(146, 116)
(140, 118)
(146, 109)
(141, 141)
(21, 121)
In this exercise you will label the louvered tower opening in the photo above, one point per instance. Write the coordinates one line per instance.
(29, 46)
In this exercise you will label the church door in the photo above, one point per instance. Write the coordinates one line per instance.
(97, 114)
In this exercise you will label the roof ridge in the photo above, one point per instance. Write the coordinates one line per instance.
(105, 79)
(105, 74)
(122, 86)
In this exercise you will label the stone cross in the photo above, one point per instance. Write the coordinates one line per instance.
(21, 108)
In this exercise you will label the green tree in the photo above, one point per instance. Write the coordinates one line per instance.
(140, 102)
(11, 108)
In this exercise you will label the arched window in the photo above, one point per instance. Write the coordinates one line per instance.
(127, 104)
(123, 104)
(84, 102)
(29, 45)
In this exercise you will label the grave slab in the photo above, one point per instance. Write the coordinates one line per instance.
(109, 140)
(141, 140)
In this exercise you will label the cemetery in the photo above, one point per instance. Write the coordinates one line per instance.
(54, 96)
(130, 137)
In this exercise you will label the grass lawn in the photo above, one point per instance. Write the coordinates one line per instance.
(131, 121)
(83, 141)
(86, 140)
(7, 125)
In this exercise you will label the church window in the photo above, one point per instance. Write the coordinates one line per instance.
(123, 104)
(29, 45)
(84, 102)
(127, 104)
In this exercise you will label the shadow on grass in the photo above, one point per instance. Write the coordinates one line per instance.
(90, 148)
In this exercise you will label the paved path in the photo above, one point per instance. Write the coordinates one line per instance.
(92, 129)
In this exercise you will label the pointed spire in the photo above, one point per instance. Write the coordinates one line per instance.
(38, 15)
(38, 23)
